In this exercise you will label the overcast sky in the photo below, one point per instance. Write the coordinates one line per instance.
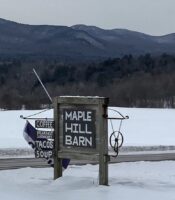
(155, 17)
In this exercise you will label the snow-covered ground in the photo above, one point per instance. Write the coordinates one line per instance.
(145, 127)
(139, 180)
(148, 126)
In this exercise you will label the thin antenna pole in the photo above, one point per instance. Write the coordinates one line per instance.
(42, 85)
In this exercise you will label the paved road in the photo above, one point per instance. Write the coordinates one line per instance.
(15, 163)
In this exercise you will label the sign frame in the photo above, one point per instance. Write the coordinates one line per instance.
(99, 152)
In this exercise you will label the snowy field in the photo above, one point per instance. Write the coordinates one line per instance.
(139, 180)
(145, 127)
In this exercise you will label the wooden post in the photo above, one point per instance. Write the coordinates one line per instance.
(57, 161)
(103, 151)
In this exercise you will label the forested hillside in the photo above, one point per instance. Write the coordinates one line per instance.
(143, 81)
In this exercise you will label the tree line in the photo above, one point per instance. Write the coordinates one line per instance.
(142, 81)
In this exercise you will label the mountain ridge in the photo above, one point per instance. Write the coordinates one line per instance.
(79, 41)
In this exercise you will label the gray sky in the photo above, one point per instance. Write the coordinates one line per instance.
(155, 17)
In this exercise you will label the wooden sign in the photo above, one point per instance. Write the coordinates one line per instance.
(81, 132)
(44, 124)
(44, 134)
(44, 148)
(43, 153)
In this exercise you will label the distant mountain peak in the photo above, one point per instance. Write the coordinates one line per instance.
(2, 21)
(5, 21)
(84, 27)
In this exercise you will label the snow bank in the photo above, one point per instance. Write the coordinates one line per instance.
(142, 180)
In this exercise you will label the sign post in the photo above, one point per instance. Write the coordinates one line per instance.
(81, 132)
